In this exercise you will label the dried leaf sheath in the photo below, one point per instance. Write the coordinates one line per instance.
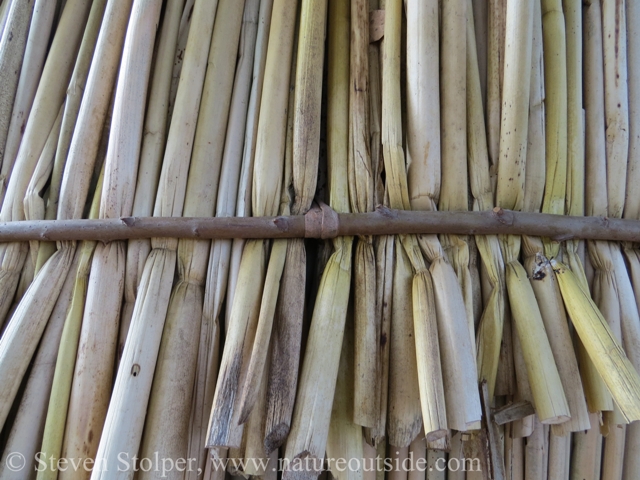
(12, 47)
(219, 256)
(23, 332)
(617, 372)
(73, 102)
(632, 204)
(92, 378)
(454, 189)
(58, 405)
(27, 428)
(495, 79)
(305, 138)
(423, 104)
(614, 41)
(151, 155)
(548, 395)
(543, 282)
(361, 190)
(345, 437)
(312, 412)
(124, 144)
(598, 397)
(34, 59)
(315, 394)
(458, 364)
(172, 390)
(489, 335)
(224, 424)
(405, 402)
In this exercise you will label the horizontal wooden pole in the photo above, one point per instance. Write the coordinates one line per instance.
(325, 223)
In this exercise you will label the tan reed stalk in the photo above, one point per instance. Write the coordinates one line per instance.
(94, 366)
(34, 204)
(243, 206)
(172, 391)
(489, 336)
(506, 376)
(423, 104)
(385, 258)
(259, 353)
(630, 320)
(404, 420)
(436, 457)
(617, 372)
(183, 36)
(614, 42)
(397, 455)
(612, 288)
(631, 462)
(254, 450)
(534, 454)
(613, 453)
(514, 456)
(585, 453)
(54, 428)
(522, 427)
(345, 436)
(404, 400)
(549, 399)
(454, 189)
(20, 339)
(224, 423)
(480, 12)
(576, 172)
(384, 245)
(369, 461)
(25, 435)
(559, 457)
(4, 13)
(632, 204)
(77, 85)
(629, 336)
(280, 250)
(361, 189)
(219, 256)
(290, 307)
(598, 398)
(458, 362)
(155, 130)
(212, 469)
(535, 169)
(456, 452)
(329, 306)
(305, 150)
(418, 450)
(375, 109)
(312, 412)
(495, 78)
(34, 58)
(538, 252)
(123, 427)
(556, 120)
(12, 46)
(632, 201)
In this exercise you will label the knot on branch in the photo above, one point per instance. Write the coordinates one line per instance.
(321, 221)
(386, 211)
(128, 221)
(505, 217)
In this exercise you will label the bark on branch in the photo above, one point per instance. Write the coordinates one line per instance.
(325, 223)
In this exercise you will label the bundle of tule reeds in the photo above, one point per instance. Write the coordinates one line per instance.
(312, 314)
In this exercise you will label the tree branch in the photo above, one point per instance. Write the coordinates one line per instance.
(325, 223)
